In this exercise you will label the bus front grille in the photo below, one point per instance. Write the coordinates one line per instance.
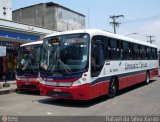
(59, 94)
(28, 87)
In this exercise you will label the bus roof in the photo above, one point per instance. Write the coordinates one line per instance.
(93, 32)
(32, 43)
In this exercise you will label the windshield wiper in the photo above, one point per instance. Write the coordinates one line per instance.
(54, 61)
(65, 67)
(57, 61)
(32, 62)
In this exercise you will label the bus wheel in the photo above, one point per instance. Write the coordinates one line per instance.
(113, 88)
(147, 78)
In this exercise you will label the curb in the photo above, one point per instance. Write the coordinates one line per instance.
(1, 86)
(7, 91)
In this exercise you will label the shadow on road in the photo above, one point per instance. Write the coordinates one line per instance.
(73, 103)
(89, 103)
(36, 93)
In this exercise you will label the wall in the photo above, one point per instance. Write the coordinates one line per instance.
(50, 16)
(5, 9)
(30, 15)
(68, 20)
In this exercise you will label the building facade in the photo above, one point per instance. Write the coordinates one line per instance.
(50, 15)
(12, 35)
(31, 24)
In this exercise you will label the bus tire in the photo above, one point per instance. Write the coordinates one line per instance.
(147, 81)
(113, 88)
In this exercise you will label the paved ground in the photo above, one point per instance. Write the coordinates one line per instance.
(138, 100)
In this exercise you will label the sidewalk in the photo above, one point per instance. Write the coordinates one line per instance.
(6, 90)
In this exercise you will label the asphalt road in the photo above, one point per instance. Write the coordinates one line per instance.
(137, 100)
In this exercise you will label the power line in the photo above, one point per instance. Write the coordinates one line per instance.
(143, 19)
(133, 28)
(114, 23)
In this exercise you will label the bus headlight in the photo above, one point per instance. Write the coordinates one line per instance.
(41, 81)
(77, 83)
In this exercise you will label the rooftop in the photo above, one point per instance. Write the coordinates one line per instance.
(51, 4)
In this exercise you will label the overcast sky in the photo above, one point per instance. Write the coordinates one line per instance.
(140, 16)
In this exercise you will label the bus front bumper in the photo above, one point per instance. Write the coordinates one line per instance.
(82, 92)
(28, 85)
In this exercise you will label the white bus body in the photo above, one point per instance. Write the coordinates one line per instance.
(113, 61)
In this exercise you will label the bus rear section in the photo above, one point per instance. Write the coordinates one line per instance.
(28, 66)
(86, 64)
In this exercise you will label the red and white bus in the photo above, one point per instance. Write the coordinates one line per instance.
(28, 66)
(85, 64)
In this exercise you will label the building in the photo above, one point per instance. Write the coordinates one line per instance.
(12, 35)
(43, 19)
(50, 15)
(5, 9)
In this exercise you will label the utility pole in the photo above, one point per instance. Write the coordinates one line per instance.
(114, 23)
(150, 39)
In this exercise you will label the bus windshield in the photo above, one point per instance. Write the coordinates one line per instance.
(29, 57)
(65, 54)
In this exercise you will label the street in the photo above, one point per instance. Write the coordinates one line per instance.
(137, 100)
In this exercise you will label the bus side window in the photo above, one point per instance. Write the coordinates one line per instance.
(144, 52)
(126, 50)
(149, 53)
(154, 53)
(140, 52)
(97, 55)
(113, 49)
(135, 52)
